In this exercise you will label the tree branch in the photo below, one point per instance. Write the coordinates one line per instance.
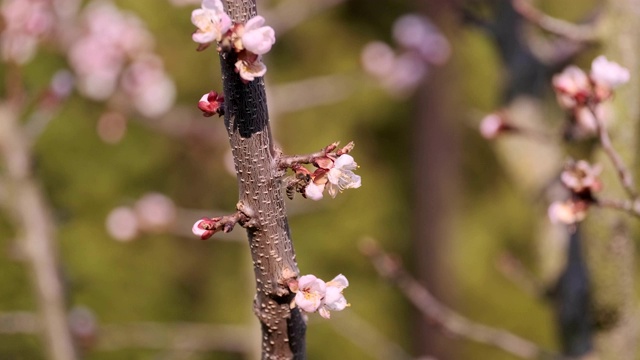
(36, 229)
(447, 319)
(568, 30)
(625, 176)
(628, 206)
(260, 189)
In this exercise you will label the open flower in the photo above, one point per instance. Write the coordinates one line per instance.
(257, 38)
(211, 22)
(314, 191)
(341, 175)
(311, 291)
(334, 300)
(251, 68)
(608, 74)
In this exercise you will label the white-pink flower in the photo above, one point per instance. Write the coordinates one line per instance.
(211, 22)
(341, 175)
(571, 85)
(249, 70)
(607, 73)
(567, 212)
(257, 38)
(311, 291)
(334, 300)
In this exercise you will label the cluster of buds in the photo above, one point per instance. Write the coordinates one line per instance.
(211, 104)
(582, 180)
(249, 41)
(583, 94)
(334, 172)
(313, 294)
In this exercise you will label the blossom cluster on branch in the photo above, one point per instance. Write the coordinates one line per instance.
(250, 40)
(585, 97)
(334, 167)
(313, 294)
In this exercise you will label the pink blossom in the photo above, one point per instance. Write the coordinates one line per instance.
(257, 38)
(155, 212)
(418, 33)
(122, 224)
(148, 86)
(378, 59)
(314, 191)
(607, 73)
(581, 176)
(341, 175)
(211, 22)
(334, 300)
(311, 291)
(567, 212)
(572, 87)
(25, 23)
(251, 69)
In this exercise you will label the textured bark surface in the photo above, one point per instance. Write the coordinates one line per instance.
(260, 197)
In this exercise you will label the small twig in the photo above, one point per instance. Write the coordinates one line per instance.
(628, 206)
(626, 178)
(368, 338)
(568, 30)
(288, 161)
(447, 319)
(147, 335)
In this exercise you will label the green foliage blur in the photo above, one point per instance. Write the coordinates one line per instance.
(166, 278)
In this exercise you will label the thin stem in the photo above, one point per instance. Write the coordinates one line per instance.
(288, 161)
(628, 206)
(448, 320)
(626, 178)
(568, 30)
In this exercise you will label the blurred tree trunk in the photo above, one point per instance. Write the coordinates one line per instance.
(436, 166)
(609, 245)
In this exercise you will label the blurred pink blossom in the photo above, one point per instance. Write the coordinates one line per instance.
(155, 212)
(418, 33)
(25, 23)
(148, 86)
(122, 224)
(608, 73)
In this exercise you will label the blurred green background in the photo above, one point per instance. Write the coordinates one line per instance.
(168, 278)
